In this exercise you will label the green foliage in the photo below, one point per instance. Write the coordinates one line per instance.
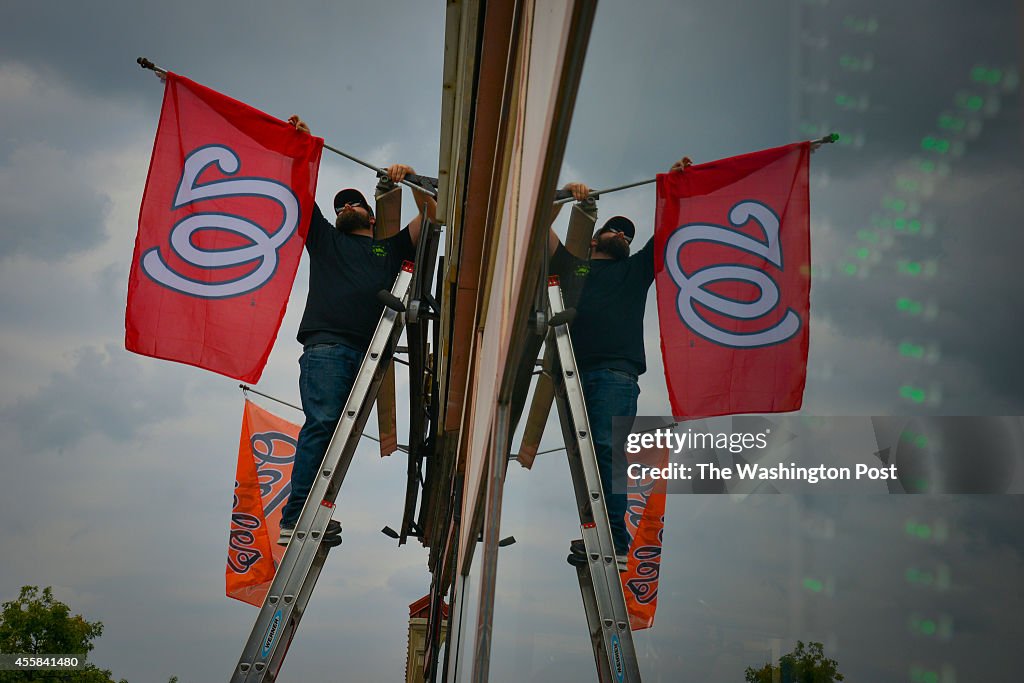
(805, 664)
(37, 624)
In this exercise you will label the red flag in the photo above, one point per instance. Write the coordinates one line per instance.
(734, 283)
(645, 520)
(266, 452)
(224, 216)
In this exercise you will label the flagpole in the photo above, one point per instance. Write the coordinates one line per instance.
(596, 194)
(426, 183)
(246, 388)
(417, 182)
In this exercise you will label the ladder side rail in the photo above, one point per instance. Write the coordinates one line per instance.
(579, 446)
(584, 576)
(265, 649)
(617, 638)
(580, 486)
(297, 574)
(276, 661)
(604, 673)
(598, 599)
(301, 601)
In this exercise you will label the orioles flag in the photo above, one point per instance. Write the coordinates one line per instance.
(266, 452)
(645, 520)
(734, 283)
(224, 216)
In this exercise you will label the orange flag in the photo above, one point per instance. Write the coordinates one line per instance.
(645, 520)
(266, 452)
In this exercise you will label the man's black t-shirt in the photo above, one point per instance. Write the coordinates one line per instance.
(608, 331)
(345, 273)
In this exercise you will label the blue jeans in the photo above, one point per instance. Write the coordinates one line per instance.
(608, 394)
(326, 375)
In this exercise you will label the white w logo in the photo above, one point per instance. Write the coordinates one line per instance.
(692, 287)
(262, 247)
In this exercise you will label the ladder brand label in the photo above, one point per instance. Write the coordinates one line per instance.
(617, 657)
(271, 636)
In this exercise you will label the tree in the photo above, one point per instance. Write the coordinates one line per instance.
(37, 624)
(805, 664)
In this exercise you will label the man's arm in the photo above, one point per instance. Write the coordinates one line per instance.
(317, 221)
(579, 193)
(646, 255)
(396, 172)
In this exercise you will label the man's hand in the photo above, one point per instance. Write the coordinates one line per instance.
(579, 190)
(681, 165)
(397, 172)
(299, 124)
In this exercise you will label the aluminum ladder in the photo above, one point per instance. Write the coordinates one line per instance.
(300, 566)
(603, 599)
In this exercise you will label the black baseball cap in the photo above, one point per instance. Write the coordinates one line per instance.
(619, 224)
(350, 196)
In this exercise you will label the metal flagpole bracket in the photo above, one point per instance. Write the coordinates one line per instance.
(146, 64)
(828, 139)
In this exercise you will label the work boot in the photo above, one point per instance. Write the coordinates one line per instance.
(332, 534)
(577, 553)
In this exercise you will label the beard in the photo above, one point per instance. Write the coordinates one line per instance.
(351, 220)
(614, 247)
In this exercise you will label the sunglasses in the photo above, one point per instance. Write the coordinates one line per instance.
(619, 232)
(354, 204)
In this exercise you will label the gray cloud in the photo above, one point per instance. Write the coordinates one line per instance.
(72, 217)
(63, 165)
(107, 391)
(974, 260)
(355, 74)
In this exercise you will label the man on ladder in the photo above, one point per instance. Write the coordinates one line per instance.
(348, 267)
(608, 341)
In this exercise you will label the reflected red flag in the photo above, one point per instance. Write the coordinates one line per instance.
(645, 521)
(733, 283)
(224, 216)
(266, 452)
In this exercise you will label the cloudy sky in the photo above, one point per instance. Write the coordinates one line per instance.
(117, 469)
